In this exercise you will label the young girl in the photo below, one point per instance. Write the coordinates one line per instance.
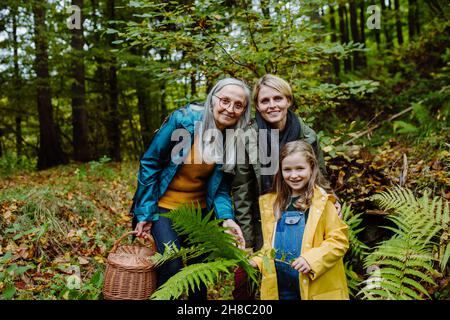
(300, 224)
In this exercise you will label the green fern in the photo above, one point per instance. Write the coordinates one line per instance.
(205, 237)
(357, 250)
(209, 235)
(407, 261)
(171, 251)
(190, 277)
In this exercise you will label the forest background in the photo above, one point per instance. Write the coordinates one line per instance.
(85, 83)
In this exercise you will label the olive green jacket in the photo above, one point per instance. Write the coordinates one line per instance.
(247, 184)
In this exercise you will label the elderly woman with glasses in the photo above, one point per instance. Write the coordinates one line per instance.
(167, 179)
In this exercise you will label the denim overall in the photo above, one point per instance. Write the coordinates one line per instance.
(288, 244)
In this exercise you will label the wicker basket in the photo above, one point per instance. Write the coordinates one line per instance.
(130, 274)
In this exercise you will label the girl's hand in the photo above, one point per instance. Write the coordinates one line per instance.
(301, 265)
(235, 231)
(253, 263)
(142, 228)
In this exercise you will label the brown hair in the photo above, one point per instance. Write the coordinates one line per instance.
(274, 82)
(281, 188)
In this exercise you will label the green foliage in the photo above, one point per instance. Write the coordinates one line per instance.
(11, 164)
(10, 271)
(407, 261)
(357, 248)
(205, 237)
(190, 277)
(215, 39)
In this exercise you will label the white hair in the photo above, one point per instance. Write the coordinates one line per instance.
(213, 147)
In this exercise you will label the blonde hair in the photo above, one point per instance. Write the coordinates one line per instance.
(274, 82)
(281, 188)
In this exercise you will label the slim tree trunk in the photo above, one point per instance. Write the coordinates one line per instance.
(344, 34)
(98, 146)
(17, 104)
(417, 18)
(113, 117)
(145, 113)
(354, 30)
(163, 104)
(362, 25)
(398, 22)
(411, 18)
(387, 28)
(79, 114)
(50, 152)
(335, 61)
(193, 85)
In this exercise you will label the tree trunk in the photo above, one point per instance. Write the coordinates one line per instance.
(362, 25)
(265, 8)
(145, 113)
(335, 61)
(398, 22)
(355, 33)
(193, 84)
(113, 117)
(344, 34)
(98, 145)
(387, 28)
(79, 114)
(163, 104)
(417, 18)
(411, 18)
(16, 94)
(50, 152)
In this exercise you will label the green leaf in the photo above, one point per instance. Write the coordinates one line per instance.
(9, 292)
(404, 127)
(111, 31)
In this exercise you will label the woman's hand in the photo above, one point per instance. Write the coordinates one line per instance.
(142, 228)
(301, 265)
(235, 231)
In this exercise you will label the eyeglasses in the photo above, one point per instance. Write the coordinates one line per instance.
(226, 102)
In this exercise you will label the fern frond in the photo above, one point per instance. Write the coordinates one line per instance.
(353, 280)
(188, 221)
(171, 251)
(406, 260)
(207, 233)
(357, 247)
(190, 277)
(445, 257)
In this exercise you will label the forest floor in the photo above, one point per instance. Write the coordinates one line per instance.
(60, 224)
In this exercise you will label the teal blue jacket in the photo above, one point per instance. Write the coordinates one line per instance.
(158, 168)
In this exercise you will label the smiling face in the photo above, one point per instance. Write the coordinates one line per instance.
(273, 106)
(296, 172)
(228, 104)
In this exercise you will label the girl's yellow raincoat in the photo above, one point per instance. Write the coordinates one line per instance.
(324, 244)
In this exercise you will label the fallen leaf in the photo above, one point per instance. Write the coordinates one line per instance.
(83, 260)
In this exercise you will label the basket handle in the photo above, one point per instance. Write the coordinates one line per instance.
(147, 236)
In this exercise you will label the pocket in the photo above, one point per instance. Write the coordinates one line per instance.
(269, 287)
(292, 220)
(337, 294)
